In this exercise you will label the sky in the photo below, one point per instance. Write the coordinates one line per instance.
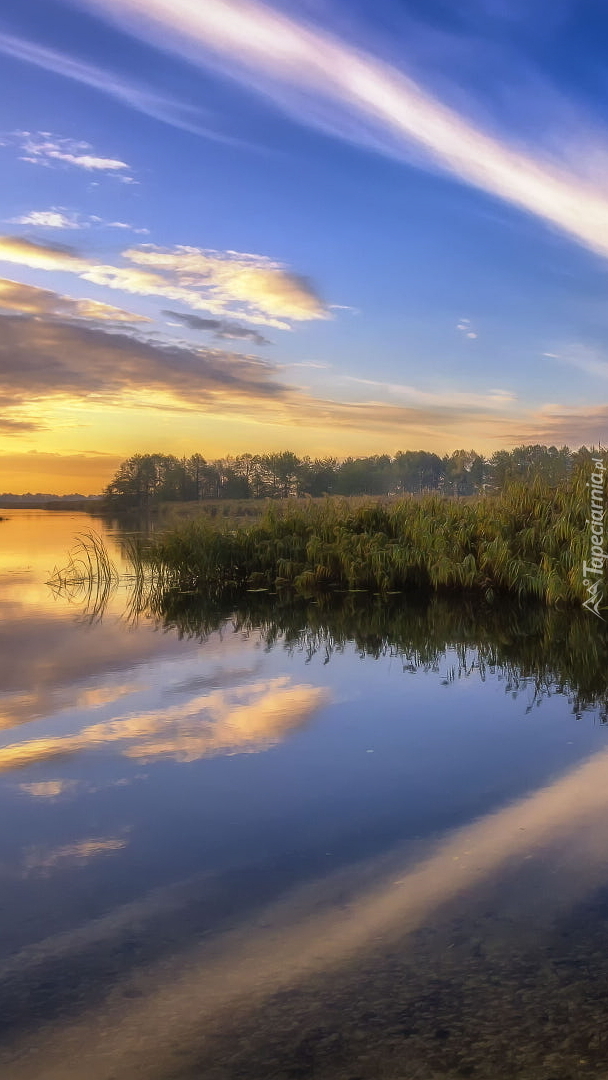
(345, 227)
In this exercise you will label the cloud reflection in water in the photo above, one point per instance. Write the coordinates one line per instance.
(245, 719)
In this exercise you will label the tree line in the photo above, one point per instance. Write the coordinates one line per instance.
(145, 479)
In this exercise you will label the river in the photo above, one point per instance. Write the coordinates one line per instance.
(266, 841)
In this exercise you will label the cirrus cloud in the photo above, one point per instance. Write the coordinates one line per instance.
(138, 97)
(325, 82)
(466, 328)
(44, 359)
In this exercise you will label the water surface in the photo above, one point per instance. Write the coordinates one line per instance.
(269, 840)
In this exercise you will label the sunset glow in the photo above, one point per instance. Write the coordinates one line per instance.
(236, 227)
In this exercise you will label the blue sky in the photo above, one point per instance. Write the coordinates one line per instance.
(328, 227)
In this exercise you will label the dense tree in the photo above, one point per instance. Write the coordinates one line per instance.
(280, 474)
(365, 476)
(318, 477)
(416, 471)
(145, 479)
(194, 468)
(464, 473)
(525, 462)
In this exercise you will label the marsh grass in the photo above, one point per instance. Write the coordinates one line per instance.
(529, 542)
(89, 577)
(535, 649)
(232, 513)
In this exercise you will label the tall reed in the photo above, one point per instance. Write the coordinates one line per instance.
(529, 542)
(89, 577)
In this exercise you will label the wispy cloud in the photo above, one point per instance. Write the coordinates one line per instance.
(44, 359)
(120, 225)
(59, 217)
(14, 425)
(592, 361)
(40, 860)
(439, 398)
(48, 789)
(17, 249)
(309, 364)
(53, 353)
(55, 218)
(44, 148)
(230, 284)
(138, 97)
(328, 83)
(466, 328)
(558, 424)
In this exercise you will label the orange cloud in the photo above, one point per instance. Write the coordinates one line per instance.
(49, 789)
(16, 249)
(226, 283)
(79, 367)
(41, 860)
(265, 289)
(246, 719)
(41, 358)
(30, 300)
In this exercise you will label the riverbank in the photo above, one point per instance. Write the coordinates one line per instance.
(85, 506)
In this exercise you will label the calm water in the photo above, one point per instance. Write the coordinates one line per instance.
(346, 843)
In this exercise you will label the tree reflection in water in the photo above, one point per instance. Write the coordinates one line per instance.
(526, 645)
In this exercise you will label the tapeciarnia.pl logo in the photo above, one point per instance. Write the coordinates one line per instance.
(593, 571)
